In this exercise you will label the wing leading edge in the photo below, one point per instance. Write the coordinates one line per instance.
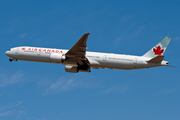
(78, 51)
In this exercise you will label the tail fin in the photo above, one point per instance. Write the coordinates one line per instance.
(158, 49)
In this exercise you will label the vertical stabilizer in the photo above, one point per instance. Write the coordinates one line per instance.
(158, 49)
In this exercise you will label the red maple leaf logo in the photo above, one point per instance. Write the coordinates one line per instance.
(158, 50)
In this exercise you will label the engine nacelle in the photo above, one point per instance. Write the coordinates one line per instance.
(74, 69)
(57, 57)
(71, 69)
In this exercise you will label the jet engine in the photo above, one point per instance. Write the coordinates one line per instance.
(57, 57)
(71, 69)
(74, 69)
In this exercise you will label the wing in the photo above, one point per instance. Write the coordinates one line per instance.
(78, 51)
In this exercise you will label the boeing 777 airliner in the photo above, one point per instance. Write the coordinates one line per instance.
(77, 59)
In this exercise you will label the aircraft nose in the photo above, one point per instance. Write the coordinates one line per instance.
(7, 53)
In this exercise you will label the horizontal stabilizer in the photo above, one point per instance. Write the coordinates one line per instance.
(171, 66)
(156, 59)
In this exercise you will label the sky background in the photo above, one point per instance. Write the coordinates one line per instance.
(43, 91)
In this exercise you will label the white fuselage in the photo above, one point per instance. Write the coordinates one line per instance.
(96, 59)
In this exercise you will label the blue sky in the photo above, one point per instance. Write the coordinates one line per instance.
(42, 91)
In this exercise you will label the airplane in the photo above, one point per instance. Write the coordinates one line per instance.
(77, 59)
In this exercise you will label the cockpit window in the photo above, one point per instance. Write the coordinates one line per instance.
(9, 49)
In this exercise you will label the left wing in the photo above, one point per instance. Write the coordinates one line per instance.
(78, 51)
